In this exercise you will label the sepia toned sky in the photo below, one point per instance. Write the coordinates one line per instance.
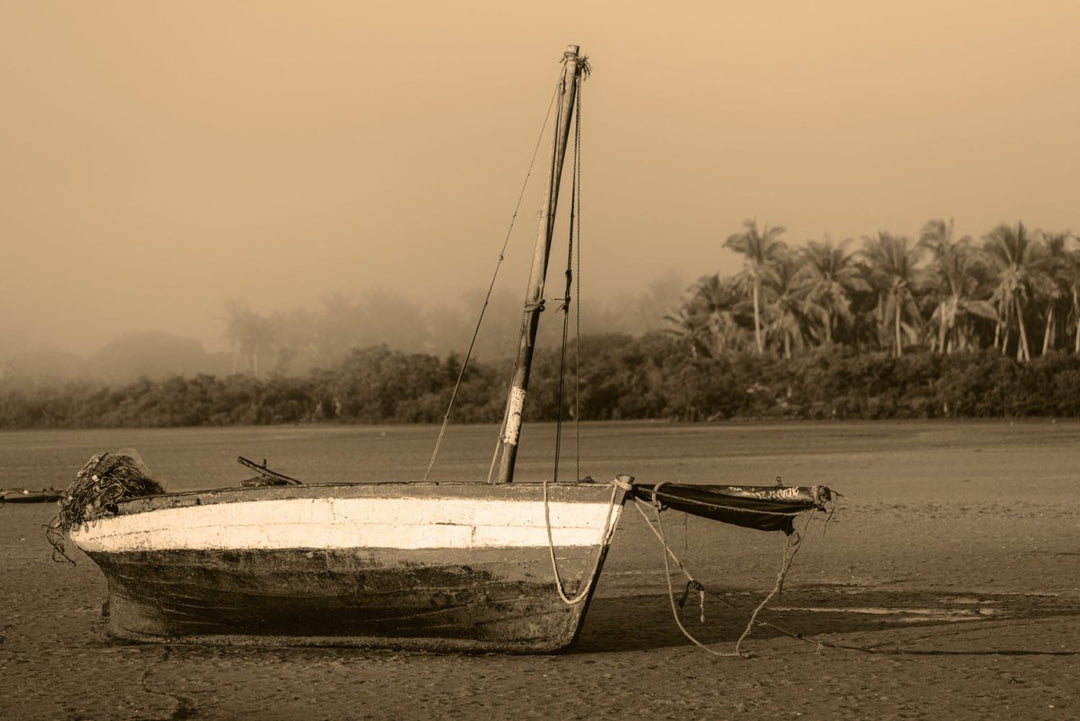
(160, 158)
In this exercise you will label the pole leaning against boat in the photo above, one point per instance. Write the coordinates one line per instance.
(573, 65)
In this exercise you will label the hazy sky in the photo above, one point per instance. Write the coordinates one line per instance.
(158, 158)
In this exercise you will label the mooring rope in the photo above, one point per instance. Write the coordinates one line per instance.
(794, 542)
(605, 538)
(790, 549)
(667, 576)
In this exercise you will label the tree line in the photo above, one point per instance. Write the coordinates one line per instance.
(937, 327)
(1016, 291)
(618, 377)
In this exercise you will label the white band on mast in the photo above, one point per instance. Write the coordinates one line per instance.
(513, 417)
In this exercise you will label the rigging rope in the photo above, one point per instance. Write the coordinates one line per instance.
(577, 287)
(487, 297)
(530, 306)
(575, 224)
(575, 217)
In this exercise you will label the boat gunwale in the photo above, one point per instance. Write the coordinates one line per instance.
(558, 492)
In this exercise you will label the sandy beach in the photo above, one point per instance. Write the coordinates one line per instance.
(947, 585)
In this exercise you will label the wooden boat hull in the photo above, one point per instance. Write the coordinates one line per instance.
(439, 567)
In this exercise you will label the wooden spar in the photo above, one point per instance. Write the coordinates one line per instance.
(534, 296)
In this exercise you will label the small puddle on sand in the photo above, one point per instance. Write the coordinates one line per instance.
(904, 615)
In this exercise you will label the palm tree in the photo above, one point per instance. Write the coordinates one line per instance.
(954, 281)
(1056, 287)
(708, 320)
(892, 266)
(1071, 273)
(786, 308)
(1014, 255)
(830, 276)
(761, 250)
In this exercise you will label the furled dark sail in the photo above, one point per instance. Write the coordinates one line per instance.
(766, 508)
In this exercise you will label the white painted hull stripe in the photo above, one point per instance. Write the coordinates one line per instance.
(339, 523)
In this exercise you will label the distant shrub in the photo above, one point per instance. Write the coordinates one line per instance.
(620, 377)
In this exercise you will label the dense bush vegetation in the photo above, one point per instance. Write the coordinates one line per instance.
(621, 378)
(940, 327)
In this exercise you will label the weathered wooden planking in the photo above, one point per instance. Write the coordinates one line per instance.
(257, 577)
(496, 598)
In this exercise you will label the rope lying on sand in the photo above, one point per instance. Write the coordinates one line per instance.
(105, 480)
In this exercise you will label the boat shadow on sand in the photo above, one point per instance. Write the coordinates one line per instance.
(856, 617)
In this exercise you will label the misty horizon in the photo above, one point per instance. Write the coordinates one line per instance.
(350, 323)
(160, 161)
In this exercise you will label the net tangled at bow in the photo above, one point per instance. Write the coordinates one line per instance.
(105, 480)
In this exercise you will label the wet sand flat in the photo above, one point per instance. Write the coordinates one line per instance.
(947, 584)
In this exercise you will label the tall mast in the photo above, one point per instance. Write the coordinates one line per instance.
(534, 296)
